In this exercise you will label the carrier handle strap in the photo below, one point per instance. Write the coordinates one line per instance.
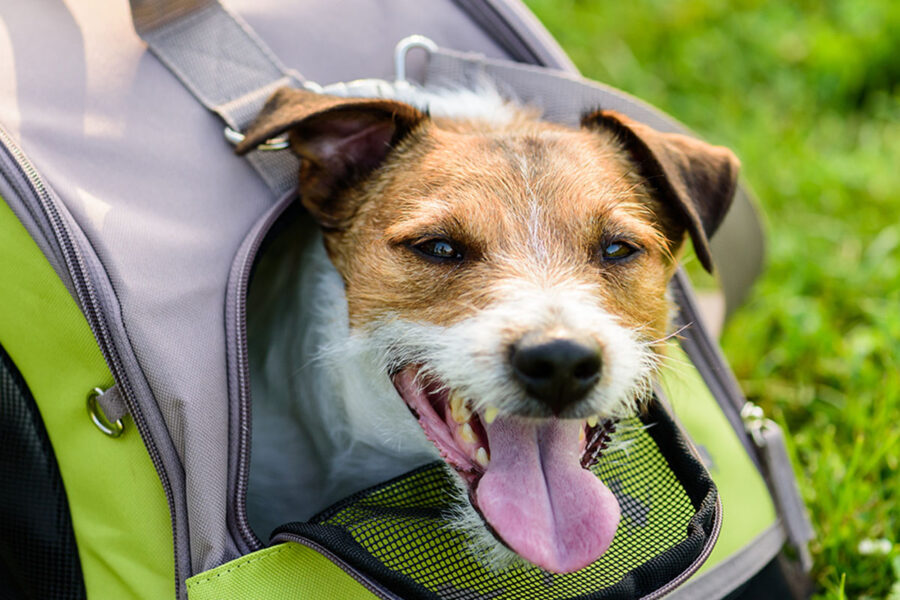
(232, 72)
(564, 97)
(225, 66)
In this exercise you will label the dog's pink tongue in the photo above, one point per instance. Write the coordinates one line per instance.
(539, 499)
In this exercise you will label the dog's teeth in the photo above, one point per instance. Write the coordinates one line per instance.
(592, 420)
(482, 457)
(467, 434)
(458, 409)
(490, 413)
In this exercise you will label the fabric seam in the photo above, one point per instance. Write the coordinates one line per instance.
(198, 582)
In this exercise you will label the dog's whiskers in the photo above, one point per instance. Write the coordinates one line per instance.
(669, 336)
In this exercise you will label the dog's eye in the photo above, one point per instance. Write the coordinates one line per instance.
(618, 250)
(439, 248)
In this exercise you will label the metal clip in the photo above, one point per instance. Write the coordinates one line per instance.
(769, 438)
(280, 143)
(112, 429)
(402, 49)
(755, 422)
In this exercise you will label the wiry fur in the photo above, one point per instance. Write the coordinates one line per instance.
(327, 419)
(315, 380)
(328, 385)
(471, 355)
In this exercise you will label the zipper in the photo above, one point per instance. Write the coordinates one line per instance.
(485, 15)
(87, 298)
(518, 32)
(352, 572)
(243, 376)
(244, 425)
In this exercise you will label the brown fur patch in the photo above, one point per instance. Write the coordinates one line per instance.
(529, 200)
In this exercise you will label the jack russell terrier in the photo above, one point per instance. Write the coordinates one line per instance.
(491, 288)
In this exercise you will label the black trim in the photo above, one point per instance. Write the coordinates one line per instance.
(775, 581)
(673, 565)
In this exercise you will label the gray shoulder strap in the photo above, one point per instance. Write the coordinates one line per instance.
(224, 65)
(564, 97)
(232, 72)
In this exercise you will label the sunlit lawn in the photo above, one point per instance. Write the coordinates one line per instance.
(808, 95)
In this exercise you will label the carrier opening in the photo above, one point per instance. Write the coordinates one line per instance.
(396, 519)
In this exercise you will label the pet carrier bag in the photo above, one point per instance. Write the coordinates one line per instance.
(129, 232)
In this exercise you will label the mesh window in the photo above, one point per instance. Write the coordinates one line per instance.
(38, 556)
(396, 536)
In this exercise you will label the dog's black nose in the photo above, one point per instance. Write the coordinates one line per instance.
(558, 372)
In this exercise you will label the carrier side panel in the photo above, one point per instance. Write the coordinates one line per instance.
(118, 509)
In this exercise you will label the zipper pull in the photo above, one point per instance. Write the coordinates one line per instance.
(769, 438)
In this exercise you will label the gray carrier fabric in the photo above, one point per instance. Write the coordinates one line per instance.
(224, 64)
(142, 169)
(167, 218)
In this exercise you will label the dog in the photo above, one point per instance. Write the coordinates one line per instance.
(480, 286)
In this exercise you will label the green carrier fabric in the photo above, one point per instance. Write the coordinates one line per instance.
(128, 233)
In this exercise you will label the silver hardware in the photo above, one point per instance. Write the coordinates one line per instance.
(279, 143)
(362, 87)
(755, 423)
(113, 430)
(402, 49)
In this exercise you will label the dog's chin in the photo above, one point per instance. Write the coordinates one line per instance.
(527, 478)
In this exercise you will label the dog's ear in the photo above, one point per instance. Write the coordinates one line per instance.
(340, 141)
(695, 178)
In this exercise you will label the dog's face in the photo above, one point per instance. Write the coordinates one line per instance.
(512, 278)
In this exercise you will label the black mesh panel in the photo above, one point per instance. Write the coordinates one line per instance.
(38, 555)
(396, 534)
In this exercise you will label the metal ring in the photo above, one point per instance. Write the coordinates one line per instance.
(280, 143)
(113, 430)
(402, 49)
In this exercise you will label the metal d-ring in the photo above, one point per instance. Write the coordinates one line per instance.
(113, 430)
(402, 49)
(281, 142)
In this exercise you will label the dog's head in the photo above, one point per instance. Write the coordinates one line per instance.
(511, 276)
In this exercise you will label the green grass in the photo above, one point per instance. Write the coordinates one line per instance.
(806, 93)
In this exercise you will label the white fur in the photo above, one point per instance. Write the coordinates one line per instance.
(327, 420)
(471, 356)
(482, 101)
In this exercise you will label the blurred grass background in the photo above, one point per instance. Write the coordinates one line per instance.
(808, 95)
